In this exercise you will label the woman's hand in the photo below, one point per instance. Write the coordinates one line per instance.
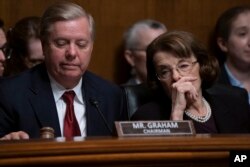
(183, 94)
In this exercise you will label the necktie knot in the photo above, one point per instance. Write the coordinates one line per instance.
(69, 96)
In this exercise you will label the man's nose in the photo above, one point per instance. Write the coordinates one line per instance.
(71, 51)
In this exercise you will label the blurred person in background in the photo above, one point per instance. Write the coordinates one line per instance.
(2, 47)
(230, 43)
(136, 40)
(24, 46)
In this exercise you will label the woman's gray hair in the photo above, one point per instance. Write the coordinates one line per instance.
(63, 11)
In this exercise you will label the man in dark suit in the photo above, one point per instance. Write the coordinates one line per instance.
(34, 99)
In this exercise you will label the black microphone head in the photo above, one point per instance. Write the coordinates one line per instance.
(93, 101)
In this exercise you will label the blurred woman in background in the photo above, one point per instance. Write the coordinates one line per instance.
(24, 46)
(231, 45)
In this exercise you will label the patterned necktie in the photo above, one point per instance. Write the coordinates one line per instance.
(71, 127)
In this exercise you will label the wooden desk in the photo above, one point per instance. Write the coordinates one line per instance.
(199, 150)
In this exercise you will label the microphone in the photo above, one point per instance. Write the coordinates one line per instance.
(96, 104)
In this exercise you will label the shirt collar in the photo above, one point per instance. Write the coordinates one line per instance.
(232, 79)
(58, 89)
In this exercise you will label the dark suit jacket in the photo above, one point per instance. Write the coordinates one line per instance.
(27, 103)
(223, 77)
(229, 108)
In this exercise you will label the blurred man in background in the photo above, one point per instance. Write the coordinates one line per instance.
(136, 39)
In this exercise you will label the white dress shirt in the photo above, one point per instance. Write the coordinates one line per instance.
(79, 105)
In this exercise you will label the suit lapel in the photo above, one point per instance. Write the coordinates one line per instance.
(91, 95)
(42, 100)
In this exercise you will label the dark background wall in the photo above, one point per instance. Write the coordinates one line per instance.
(113, 17)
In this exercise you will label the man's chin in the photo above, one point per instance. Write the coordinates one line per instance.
(72, 75)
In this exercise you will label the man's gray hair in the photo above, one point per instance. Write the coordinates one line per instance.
(130, 36)
(63, 11)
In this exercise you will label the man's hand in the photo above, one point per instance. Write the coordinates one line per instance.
(15, 136)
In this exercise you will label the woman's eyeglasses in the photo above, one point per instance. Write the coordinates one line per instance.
(183, 69)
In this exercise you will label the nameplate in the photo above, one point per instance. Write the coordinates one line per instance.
(154, 128)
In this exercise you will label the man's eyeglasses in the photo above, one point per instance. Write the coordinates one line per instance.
(183, 69)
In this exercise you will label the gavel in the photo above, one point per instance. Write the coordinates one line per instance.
(47, 133)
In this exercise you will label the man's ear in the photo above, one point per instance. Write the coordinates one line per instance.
(129, 57)
(222, 44)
